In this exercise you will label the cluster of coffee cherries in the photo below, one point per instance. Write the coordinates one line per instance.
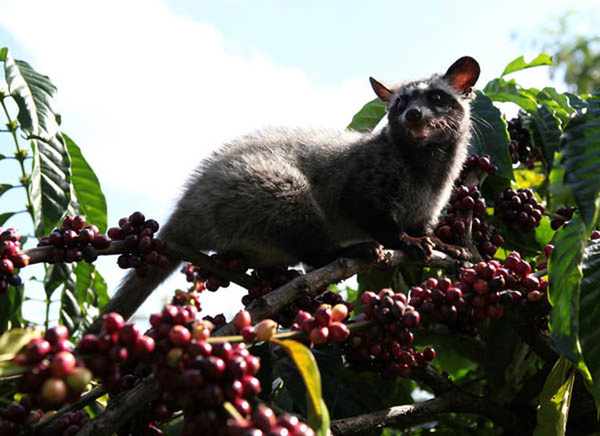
(483, 162)
(264, 421)
(10, 258)
(75, 241)
(521, 147)
(68, 424)
(467, 208)
(197, 376)
(481, 293)
(326, 324)
(203, 279)
(118, 354)
(311, 303)
(142, 248)
(15, 416)
(386, 345)
(565, 213)
(519, 209)
(55, 376)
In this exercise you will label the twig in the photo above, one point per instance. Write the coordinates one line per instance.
(176, 251)
(409, 415)
(83, 401)
(123, 410)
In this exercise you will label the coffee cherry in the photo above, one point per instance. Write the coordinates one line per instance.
(112, 322)
(62, 364)
(241, 320)
(79, 378)
(54, 391)
(265, 330)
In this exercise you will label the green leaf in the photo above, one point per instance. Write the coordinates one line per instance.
(589, 313)
(10, 308)
(491, 135)
(4, 188)
(582, 161)
(70, 312)
(13, 340)
(546, 133)
(50, 187)
(519, 64)
(90, 294)
(34, 95)
(5, 217)
(318, 416)
(56, 275)
(90, 197)
(555, 400)
(564, 277)
(9, 369)
(509, 91)
(367, 118)
(559, 103)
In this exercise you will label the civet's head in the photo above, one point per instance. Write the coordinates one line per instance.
(434, 109)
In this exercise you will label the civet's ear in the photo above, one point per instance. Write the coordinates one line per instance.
(463, 74)
(383, 92)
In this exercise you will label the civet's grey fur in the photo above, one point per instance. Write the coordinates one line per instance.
(280, 196)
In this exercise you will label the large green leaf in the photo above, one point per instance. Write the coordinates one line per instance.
(90, 197)
(564, 277)
(367, 118)
(50, 187)
(562, 105)
(490, 135)
(83, 292)
(10, 308)
(12, 341)
(90, 294)
(546, 133)
(318, 416)
(519, 63)
(34, 95)
(555, 400)
(510, 91)
(589, 313)
(582, 161)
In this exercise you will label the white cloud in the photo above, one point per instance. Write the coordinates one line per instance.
(147, 93)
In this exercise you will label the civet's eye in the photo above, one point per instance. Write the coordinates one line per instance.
(436, 97)
(400, 102)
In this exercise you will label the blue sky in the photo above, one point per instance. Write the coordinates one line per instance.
(147, 88)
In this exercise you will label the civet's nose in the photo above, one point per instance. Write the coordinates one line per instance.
(413, 115)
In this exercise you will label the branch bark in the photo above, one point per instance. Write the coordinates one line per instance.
(409, 415)
(123, 410)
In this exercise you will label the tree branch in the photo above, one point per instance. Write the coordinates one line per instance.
(122, 410)
(83, 401)
(409, 415)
